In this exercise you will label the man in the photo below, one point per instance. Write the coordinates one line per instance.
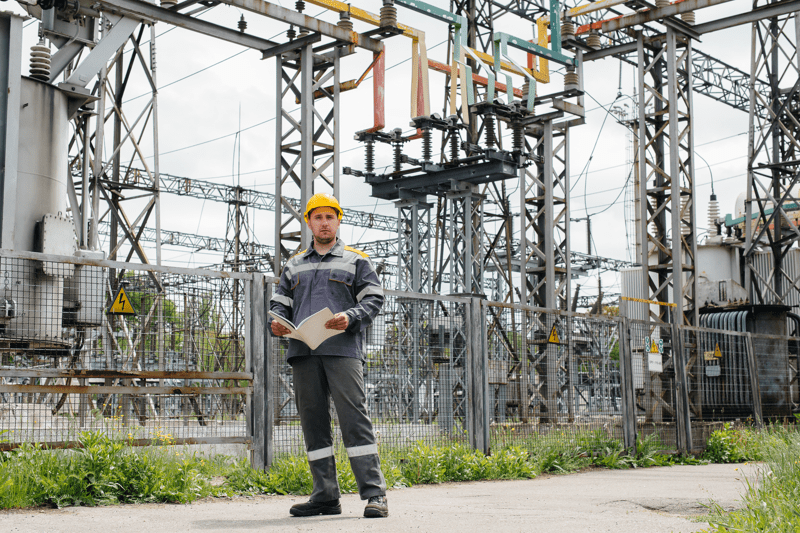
(330, 274)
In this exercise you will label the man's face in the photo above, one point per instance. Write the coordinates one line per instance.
(324, 223)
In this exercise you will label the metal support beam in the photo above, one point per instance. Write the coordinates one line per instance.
(466, 238)
(773, 157)
(665, 160)
(306, 146)
(147, 12)
(544, 222)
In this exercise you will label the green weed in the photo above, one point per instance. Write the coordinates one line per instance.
(731, 445)
(771, 500)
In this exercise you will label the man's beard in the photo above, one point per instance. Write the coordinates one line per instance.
(324, 240)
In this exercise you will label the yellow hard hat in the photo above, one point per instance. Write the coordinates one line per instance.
(323, 200)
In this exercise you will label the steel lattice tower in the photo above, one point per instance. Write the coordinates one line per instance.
(773, 155)
(665, 170)
(306, 146)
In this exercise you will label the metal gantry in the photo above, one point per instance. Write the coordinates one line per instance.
(665, 172)
(545, 218)
(306, 146)
(773, 155)
(106, 178)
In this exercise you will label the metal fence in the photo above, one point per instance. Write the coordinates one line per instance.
(152, 353)
(553, 378)
(142, 352)
(454, 369)
(415, 371)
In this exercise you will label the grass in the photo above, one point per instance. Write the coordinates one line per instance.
(771, 502)
(105, 470)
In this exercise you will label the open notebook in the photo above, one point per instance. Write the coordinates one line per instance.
(311, 330)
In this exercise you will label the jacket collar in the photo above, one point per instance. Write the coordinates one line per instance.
(337, 250)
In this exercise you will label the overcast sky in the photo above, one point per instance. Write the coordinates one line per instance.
(211, 90)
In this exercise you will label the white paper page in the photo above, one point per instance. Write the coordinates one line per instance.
(287, 324)
(313, 328)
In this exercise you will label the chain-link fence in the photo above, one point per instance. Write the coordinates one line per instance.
(553, 378)
(138, 351)
(446, 369)
(179, 355)
(415, 375)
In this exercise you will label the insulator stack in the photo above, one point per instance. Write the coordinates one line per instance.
(689, 18)
(567, 29)
(398, 156)
(344, 21)
(290, 33)
(571, 80)
(593, 40)
(662, 3)
(370, 156)
(652, 227)
(488, 126)
(427, 145)
(388, 16)
(242, 24)
(40, 62)
(454, 146)
(526, 89)
(168, 3)
(300, 6)
(713, 212)
(518, 138)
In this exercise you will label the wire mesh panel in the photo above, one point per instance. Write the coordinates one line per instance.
(414, 373)
(774, 363)
(554, 378)
(719, 380)
(139, 352)
(653, 365)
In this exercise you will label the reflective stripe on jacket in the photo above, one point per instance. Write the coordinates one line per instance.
(344, 280)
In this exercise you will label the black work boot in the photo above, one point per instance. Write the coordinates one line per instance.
(377, 507)
(314, 508)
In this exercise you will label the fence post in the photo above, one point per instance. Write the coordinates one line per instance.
(258, 356)
(478, 379)
(682, 413)
(755, 387)
(627, 385)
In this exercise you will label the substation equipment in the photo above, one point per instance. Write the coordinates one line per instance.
(466, 180)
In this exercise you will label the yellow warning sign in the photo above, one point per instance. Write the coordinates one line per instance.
(122, 305)
(554, 336)
(653, 345)
(717, 352)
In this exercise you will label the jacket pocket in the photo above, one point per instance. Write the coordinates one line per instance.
(342, 276)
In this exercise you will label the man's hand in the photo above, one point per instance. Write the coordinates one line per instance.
(278, 329)
(339, 321)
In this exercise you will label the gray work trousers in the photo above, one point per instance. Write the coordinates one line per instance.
(317, 379)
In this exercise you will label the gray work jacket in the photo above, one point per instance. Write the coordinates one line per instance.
(343, 280)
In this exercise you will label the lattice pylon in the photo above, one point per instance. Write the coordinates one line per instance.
(306, 145)
(773, 156)
(545, 270)
(466, 239)
(665, 161)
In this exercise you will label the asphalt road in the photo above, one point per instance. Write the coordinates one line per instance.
(651, 500)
